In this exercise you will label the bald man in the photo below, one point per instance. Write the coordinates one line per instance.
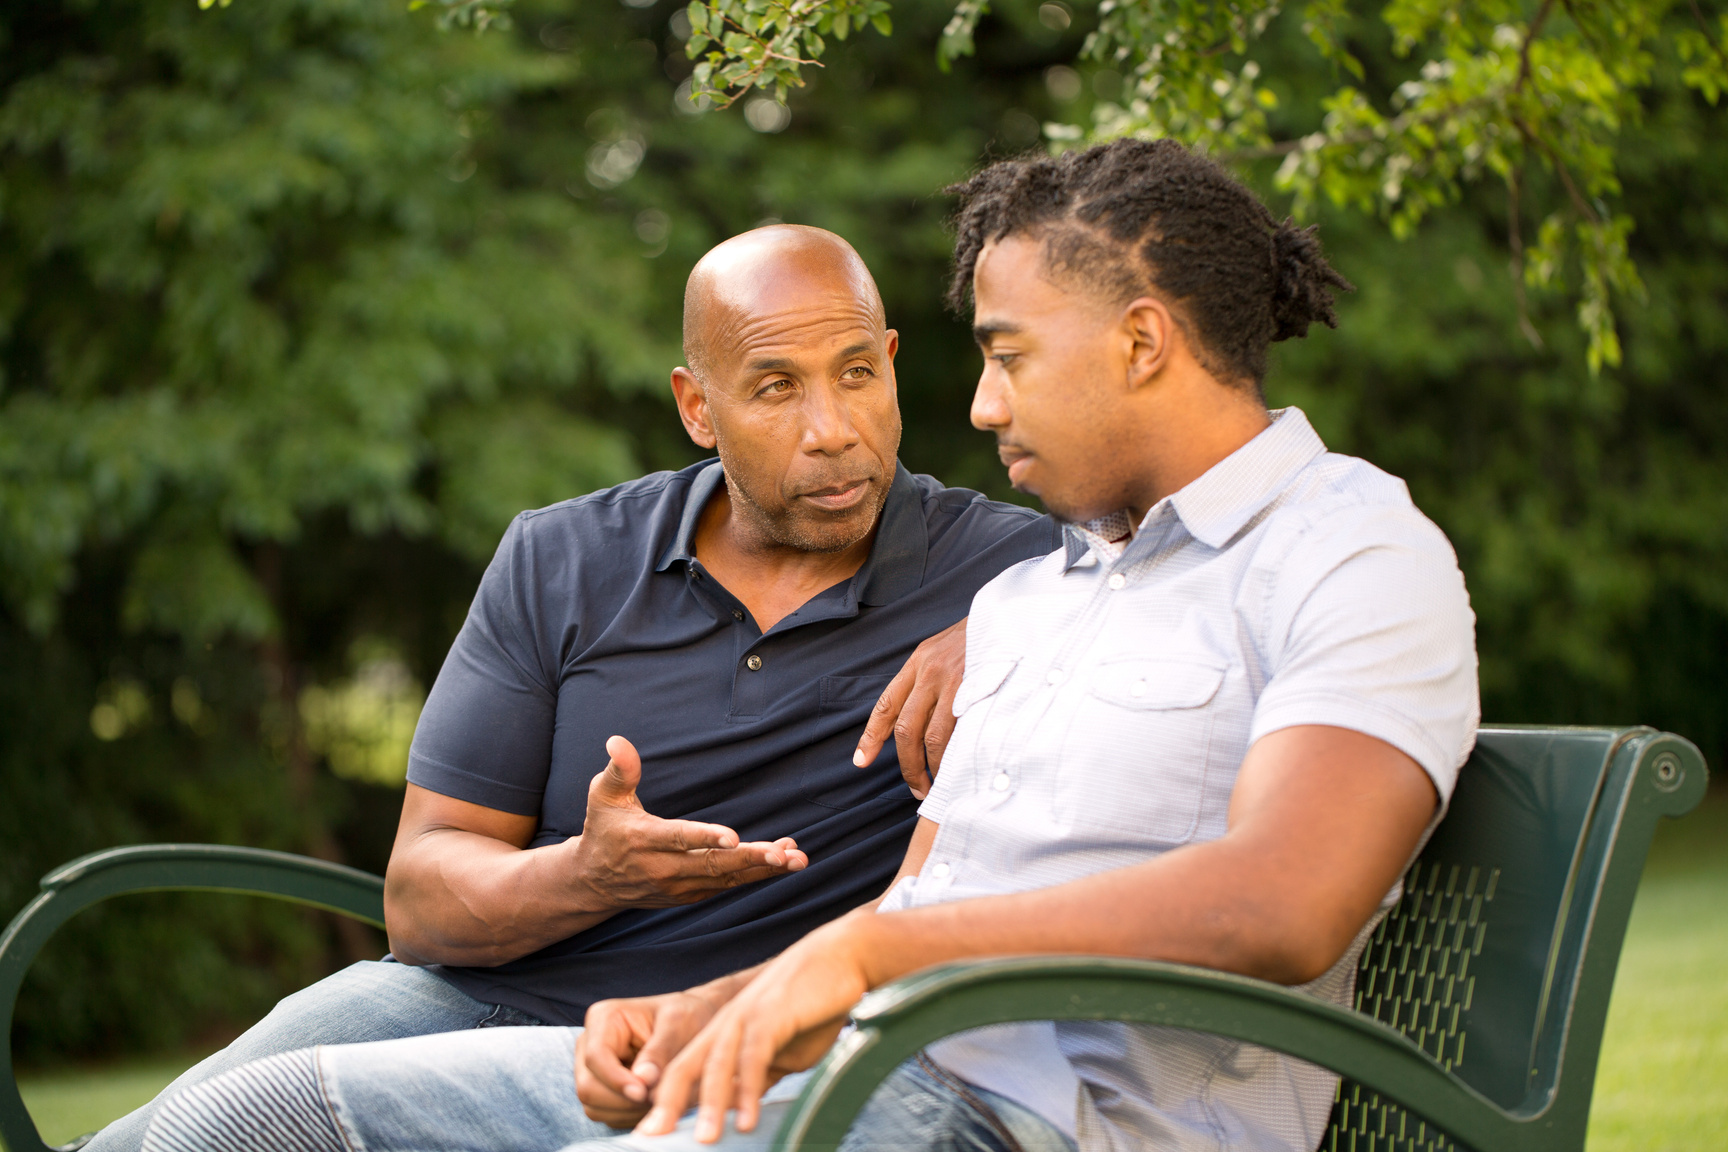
(645, 763)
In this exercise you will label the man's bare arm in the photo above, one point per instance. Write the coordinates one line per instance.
(1322, 823)
(463, 887)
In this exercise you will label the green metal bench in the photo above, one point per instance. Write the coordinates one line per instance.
(71, 888)
(1481, 999)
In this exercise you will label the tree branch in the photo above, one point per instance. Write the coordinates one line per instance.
(1585, 208)
(1529, 39)
(1704, 27)
(1515, 241)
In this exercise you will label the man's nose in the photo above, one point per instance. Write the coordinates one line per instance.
(828, 425)
(989, 409)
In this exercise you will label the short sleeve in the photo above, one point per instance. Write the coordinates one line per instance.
(1371, 629)
(485, 735)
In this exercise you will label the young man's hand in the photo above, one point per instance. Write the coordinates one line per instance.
(781, 1022)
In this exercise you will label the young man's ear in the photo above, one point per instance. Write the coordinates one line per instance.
(1151, 332)
(692, 399)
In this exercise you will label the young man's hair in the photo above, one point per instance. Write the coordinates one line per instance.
(1134, 217)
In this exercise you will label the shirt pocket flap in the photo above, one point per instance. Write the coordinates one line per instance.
(1167, 682)
(981, 683)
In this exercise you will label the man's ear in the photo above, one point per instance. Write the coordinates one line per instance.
(692, 400)
(1152, 333)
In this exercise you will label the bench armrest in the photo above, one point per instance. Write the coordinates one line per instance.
(897, 1020)
(73, 887)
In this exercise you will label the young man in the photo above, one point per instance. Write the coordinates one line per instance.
(1214, 728)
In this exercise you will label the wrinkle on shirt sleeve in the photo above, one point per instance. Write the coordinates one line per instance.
(485, 734)
(1371, 629)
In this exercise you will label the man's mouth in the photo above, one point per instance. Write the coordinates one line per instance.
(1017, 460)
(838, 497)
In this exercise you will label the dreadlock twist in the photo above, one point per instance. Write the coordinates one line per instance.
(1132, 214)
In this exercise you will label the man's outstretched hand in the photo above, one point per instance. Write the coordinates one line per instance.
(630, 859)
(917, 709)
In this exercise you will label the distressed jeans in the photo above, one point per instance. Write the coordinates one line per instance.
(370, 1000)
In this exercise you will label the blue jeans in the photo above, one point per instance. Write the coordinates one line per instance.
(371, 1000)
(514, 1090)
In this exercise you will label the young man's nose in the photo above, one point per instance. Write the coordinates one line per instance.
(989, 410)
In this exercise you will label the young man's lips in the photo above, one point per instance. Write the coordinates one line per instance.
(1016, 461)
(838, 498)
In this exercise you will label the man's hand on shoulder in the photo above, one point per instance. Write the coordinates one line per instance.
(917, 709)
(627, 858)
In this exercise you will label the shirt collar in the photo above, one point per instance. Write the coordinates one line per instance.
(1216, 505)
(894, 567)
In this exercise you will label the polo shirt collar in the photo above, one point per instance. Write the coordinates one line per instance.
(1216, 505)
(894, 567)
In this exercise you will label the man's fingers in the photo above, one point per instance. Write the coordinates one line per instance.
(885, 713)
(677, 1085)
(909, 738)
(686, 836)
(623, 772)
(717, 1094)
(937, 735)
(672, 1030)
(608, 1091)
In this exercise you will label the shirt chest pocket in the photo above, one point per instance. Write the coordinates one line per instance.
(1137, 757)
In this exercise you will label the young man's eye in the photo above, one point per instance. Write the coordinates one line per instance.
(1004, 358)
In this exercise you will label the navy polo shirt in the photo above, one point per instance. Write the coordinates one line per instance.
(595, 618)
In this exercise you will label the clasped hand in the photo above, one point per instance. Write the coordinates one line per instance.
(722, 1045)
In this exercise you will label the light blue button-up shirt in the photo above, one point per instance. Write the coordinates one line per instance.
(1111, 692)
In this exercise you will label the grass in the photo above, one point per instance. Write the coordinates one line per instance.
(1662, 1085)
(72, 1102)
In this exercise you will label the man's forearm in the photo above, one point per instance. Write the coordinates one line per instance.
(1208, 913)
(460, 898)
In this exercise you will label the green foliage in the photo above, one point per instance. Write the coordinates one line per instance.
(1486, 89)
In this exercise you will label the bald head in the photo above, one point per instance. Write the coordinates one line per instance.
(764, 272)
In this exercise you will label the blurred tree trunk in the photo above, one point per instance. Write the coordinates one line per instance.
(354, 940)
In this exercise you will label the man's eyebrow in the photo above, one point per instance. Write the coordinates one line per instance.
(985, 332)
(772, 364)
(858, 349)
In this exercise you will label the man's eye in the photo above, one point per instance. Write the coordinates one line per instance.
(860, 372)
(1005, 358)
(776, 387)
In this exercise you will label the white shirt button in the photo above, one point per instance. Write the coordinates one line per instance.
(1117, 581)
(940, 871)
(1054, 676)
(1138, 688)
(1001, 782)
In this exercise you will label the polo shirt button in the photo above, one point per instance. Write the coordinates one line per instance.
(754, 663)
(1138, 688)
(737, 615)
(1054, 676)
(1001, 782)
(1117, 581)
(941, 871)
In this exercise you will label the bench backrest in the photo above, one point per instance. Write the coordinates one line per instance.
(1486, 962)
